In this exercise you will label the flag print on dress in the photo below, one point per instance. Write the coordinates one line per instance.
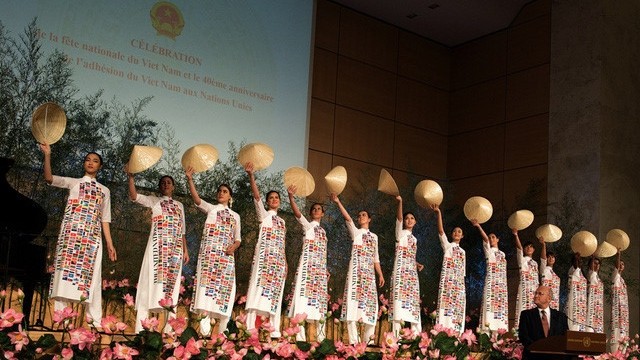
(452, 299)
(619, 309)
(215, 282)
(576, 308)
(405, 290)
(528, 284)
(494, 313)
(552, 280)
(595, 303)
(360, 295)
(310, 289)
(79, 248)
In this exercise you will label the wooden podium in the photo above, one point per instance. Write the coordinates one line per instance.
(572, 344)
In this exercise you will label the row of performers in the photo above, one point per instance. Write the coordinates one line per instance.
(77, 265)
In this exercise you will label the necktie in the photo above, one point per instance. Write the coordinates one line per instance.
(545, 322)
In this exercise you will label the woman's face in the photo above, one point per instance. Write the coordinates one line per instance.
(92, 164)
(551, 259)
(493, 240)
(166, 186)
(457, 235)
(317, 212)
(273, 201)
(528, 250)
(223, 195)
(363, 219)
(409, 221)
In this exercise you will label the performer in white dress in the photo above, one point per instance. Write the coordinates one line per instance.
(452, 297)
(77, 265)
(529, 276)
(576, 307)
(405, 286)
(547, 276)
(619, 306)
(494, 313)
(360, 295)
(166, 249)
(595, 298)
(215, 282)
(310, 294)
(269, 268)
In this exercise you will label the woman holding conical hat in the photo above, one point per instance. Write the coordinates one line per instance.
(494, 312)
(166, 249)
(595, 297)
(528, 276)
(269, 268)
(548, 277)
(215, 281)
(405, 285)
(576, 307)
(360, 295)
(619, 306)
(310, 294)
(452, 297)
(78, 259)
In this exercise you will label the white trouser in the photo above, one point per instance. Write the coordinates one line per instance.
(354, 338)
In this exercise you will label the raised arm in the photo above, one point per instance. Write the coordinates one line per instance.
(543, 251)
(291, 191)
(436, 209)
(475, 223)
(399, 212)
(618, 260)
(192, 187)
(254, 187)
(48, 175)
(343, 211)
(517, 239)
(133, 194)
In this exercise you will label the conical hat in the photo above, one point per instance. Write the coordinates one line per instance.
(618, 238)
(336, 179)
(259, 154)
(520, 220)
(584, 243)
(605, 250)
(301, 179)
(478, 208)
(428, 192)
(200, 157)
(48, 123)
(549, 232)
(386, 184)
(143, 157)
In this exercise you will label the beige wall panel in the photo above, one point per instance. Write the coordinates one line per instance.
(532, 10)
(321, 125)
(369, 40)
(422, 106)
(527, 142)
(529, 44)
(477, 106)
(319, 164)
(420, 152)
(476, 153)
(487, 186)
(327, 30)
(516, 183)
(363, 137)
(366, 88)
(422, 59)
(361, 176)
(480, 60)
(325, 69)
(528, 93)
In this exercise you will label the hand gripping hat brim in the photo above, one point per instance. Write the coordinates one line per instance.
(143, 157)
(301, 179)
(48, 123)
(478, 208)
(200, 157)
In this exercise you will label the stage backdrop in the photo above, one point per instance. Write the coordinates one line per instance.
(218, 71)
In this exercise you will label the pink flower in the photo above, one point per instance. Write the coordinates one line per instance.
(124, 352)
(285, 350)
(111, 325)
(19, 338)
(82, 337)
(9, 355)
(167, 304)
(67, 353)
(468, 337)
(298, 318)
(150, 324)
(88, 319)
(123, 283)
(10, 318)
(106, 354)
(193, 346)
(178, 324)
(390, 342)
(434, 353)
(61, 316)
(128, 299)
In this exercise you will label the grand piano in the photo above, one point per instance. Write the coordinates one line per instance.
(20, 258)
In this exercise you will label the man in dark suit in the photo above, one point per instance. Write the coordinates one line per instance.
(532, 321)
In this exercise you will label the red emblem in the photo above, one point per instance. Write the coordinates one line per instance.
(167, 19)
